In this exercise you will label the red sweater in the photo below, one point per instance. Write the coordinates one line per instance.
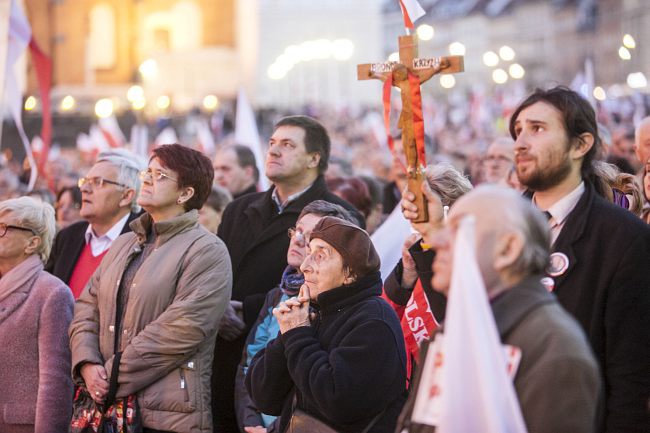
(84, 269)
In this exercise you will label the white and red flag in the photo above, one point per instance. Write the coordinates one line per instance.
(112, 131)
(411, 11)
(19, 38)
(470, 385)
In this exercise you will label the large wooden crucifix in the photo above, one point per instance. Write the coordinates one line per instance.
(424, 69)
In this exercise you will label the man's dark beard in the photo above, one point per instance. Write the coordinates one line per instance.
(541, 180)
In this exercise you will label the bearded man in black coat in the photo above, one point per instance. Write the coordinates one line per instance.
(601, 253)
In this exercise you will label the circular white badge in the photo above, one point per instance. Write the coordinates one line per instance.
(548, 283)
(558, 264)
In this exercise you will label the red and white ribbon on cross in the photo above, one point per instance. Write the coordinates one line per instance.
(411, 11)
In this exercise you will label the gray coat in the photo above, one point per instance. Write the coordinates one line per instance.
(558, 382)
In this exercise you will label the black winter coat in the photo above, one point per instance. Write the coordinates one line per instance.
(345, 369)
(256, 237)
(607, 289)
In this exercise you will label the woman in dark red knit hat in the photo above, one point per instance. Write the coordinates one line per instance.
(340, 362)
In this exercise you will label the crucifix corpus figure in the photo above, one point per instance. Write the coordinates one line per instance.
(407, 75)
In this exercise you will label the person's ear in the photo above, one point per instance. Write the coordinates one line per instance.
(32, 245)
(582, 145)
(314, 160)
(250, 171)
(349, 276)
(127, 197)
(508, 248)
(187, 194)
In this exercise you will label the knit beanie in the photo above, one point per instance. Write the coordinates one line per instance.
(351, 242)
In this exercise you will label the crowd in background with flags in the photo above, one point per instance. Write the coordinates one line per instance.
(468, 143)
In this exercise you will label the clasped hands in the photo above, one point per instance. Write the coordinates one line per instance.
(294, 312)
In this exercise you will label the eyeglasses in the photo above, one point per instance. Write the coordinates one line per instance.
(5, 227)
(97, 182)
(59, 206)
(156, 175)
(499, 158)
(301, 238)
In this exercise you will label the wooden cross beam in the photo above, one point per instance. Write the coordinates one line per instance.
(424, 69)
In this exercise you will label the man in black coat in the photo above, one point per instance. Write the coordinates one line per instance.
(254, 228)
(601, 253)
(108, 204)
(235, 170)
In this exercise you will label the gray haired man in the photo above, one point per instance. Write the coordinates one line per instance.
(108, 204)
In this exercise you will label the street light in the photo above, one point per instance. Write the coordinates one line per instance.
(210, 102)
(275, 72)
(30, 103)
(490, 58)
(342, 49)
(163, 102)
(148, 68)
(104, 108)
(457, 49)
(67, 103)
(135, 93)
(599, 93)
(499, 76)
(425, 32)
(637, 80)
(138, 104)
(506, 53)
(447, 81)
(624, 53)
(516, 71)
(629, 41)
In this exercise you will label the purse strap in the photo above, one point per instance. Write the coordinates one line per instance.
(112, 387)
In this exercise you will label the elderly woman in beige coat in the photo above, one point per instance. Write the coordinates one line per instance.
(162, 290)
(35, 312)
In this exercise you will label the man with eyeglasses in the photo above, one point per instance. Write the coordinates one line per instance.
(498, 160)
(108, 204)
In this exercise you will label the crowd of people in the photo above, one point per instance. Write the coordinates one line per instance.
(177, 283)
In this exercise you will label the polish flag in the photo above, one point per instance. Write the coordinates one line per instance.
(112, 131)
(19, 39)
(412, 11)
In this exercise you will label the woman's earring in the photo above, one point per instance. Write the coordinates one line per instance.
(179, 201)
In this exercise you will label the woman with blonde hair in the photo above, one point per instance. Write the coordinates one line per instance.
(35, 312)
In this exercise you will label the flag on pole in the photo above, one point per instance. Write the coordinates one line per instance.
(247, 134)
(20, 33)
(204, 138)
(411, 11)
(475, 378)
(112, 131)
(140, 140)
(19, 38)
(43, 68)
(166, 136)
